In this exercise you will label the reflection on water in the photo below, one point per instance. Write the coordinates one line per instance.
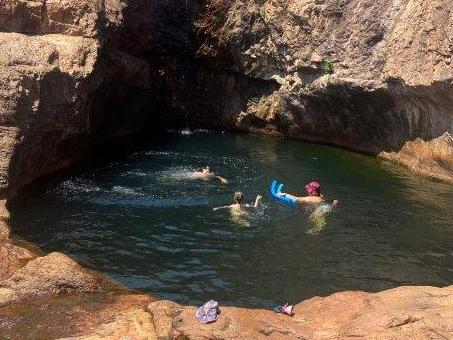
(142, 218)
(318, 217)
(319, 223)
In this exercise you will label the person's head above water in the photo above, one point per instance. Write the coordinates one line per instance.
(238, 197)
(313, 189)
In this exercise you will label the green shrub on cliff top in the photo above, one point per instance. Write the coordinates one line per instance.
(327, 66)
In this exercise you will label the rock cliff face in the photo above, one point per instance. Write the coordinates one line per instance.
(70, 76)
(371, 76)
(60, 85)
(365, 75)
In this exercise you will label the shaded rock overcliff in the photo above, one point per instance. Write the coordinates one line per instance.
(61, 88)
(365, 75)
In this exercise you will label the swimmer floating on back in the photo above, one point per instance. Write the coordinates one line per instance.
(314, 199)
(206, 174)
(314, 195)
(239, 205)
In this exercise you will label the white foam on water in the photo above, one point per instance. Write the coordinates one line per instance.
(77, 186)
(124, 190)
(177, 174)
(137, 173)
(150, 201)
(160, 153)
(187, 131)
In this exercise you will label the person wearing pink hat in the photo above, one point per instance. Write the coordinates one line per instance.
(314, 195)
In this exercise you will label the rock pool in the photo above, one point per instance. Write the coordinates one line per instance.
(140, 218)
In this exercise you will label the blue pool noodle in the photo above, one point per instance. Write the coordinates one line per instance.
(276, 189)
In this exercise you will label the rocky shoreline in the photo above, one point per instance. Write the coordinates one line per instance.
(374, 77)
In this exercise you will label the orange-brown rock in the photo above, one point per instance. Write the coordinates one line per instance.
(4, 213)
(12, 258)
(4, 231)
(4, 218)
(401, 313)
(51, 274)
(48, 103)
(432, 158)
(70, 316)
(40, 94)
(66, 71)
(7, 143)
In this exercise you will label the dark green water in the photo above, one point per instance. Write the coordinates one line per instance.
(139, 218)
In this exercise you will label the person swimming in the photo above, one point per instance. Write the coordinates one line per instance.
(206, 174)
(314, 195)
(239, 209)
(238, 203)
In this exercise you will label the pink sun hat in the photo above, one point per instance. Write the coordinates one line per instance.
(313, 188)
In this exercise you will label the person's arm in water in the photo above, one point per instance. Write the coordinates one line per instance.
(304, 199)
(257, 203)
(224, 207)
(222, 179)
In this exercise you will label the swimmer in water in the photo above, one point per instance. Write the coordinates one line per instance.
(206, 174)
(314, 195)
(239, 205)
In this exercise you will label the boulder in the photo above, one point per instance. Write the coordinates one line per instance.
(51, 274)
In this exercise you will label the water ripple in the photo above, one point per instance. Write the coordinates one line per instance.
(148, 222)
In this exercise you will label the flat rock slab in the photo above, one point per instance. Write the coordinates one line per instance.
(400, 313)
(74, 315)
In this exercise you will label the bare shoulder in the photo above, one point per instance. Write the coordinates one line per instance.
(310, 199)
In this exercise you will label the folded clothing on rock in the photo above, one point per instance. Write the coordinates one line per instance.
(209, 312)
